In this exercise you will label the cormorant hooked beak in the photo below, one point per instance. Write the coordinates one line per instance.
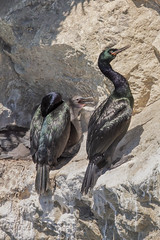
(83, 101)
(119, 50)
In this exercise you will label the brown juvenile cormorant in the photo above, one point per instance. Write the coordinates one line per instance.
(109, 122)
(76, 135)
(51, 133)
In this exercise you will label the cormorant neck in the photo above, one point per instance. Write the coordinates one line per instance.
(74, 112)
(120, 83)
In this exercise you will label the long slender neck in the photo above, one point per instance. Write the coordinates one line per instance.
(76, 130)
(74, 119)
(120, 83)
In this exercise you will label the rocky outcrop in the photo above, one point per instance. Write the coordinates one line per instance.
(53, 45)
(46, 43)
(124, 204)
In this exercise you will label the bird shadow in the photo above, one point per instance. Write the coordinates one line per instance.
(148, 4)
(123, 150)
(157, 54)
(130, 141)
(67, 155)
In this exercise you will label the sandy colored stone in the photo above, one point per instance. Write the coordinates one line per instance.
(46, 43)
(124, 204)
(49, 45)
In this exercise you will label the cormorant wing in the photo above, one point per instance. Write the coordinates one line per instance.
(107, 125)
(35, 129)
(54, 134)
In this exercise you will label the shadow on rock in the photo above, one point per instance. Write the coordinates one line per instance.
(148, 4)
(126, 145)
(14, 142)
(122, 153)
(130, 141)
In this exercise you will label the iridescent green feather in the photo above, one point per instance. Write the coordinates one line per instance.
(54, 134)
(35, 130)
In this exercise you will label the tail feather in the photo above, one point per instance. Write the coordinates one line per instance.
(90, 177)
(42, 179)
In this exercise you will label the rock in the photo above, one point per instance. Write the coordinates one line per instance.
(14, 143)
(156, 46)
(124, 204)
(38, 56)
(49, 45)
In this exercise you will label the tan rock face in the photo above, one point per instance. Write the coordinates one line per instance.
(50, 45)
(124, 204)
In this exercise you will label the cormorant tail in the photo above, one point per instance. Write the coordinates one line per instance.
(42, 179)
(90, 177)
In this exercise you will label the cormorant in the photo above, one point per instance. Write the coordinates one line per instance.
(109, 122)
(76, 135)
(51, 133)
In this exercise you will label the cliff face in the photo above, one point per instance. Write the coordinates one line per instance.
(53, 46)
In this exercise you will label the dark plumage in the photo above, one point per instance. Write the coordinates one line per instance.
(109, 122)
(50, 134)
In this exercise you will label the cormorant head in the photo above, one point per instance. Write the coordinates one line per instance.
(110, 53)
(50, 102)
(80, 102)
(77, 103)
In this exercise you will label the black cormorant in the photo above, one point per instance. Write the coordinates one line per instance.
(52, 131)
(109, 122)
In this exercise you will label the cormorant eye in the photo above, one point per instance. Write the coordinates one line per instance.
(112, 52)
